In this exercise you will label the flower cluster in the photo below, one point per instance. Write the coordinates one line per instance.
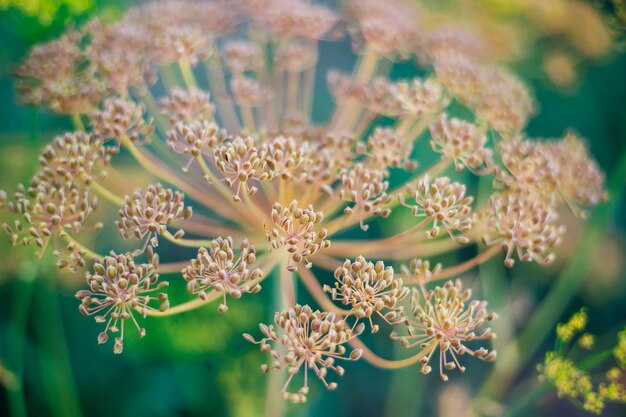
(307, 339)
(217, 268)
(118, 290)
(177, 84)
(369, 289)
(443, 321)
(575, 381)
(295, 229)
(147, 213)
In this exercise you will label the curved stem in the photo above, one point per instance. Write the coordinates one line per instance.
(90, 254)
(189, 243)
(460, 268)
(379, 362)
(313, 286)
(106, 194)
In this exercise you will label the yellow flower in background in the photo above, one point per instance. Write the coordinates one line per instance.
(46, 10)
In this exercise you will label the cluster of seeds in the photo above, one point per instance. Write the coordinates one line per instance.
(443, 321)
(118, 290)
(218, 269)
(369, 289)
(307, 339)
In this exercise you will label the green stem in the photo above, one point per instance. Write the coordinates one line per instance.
(78, 122)
(55, 362)
(19, 314)
(565, 288)
(523, 404)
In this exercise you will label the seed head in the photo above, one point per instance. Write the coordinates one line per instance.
(420, 97)
(307, 339)
(524, 225)
(241, 56)
(285, 157)
(241, 162)
(579, 180)
(247, 91)
(389, 28)
(369, 289)
(366, 188)
(218, 269)
(187, 106)
(181, 43)
(121, 118)
(77, 156)
(195, 139)
(443, 320)
(442, 202)
(147, 213)
(297, 230)
(462, 142)
(45, 210)
(387, 148)
(420, 271)
(119, 289)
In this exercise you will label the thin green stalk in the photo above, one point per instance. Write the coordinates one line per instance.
(19, 314)
(406, 390)
(58, 380)
(524, 403)
(560, 295)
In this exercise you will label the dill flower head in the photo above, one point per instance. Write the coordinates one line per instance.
(76, 156)
(461, 141)
(120, 118)
(147, 213)
(369, 289)
(226, 90)
(307, 339)
(240, 162)
(524, 225)
(187, 106)
(195, 139)
(218, 269)
(443, 321)
(367, 190)
(46, 210)
(118, 290)
(442, 202)
(296, 229)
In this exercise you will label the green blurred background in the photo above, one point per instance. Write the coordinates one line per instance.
(198, 364)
